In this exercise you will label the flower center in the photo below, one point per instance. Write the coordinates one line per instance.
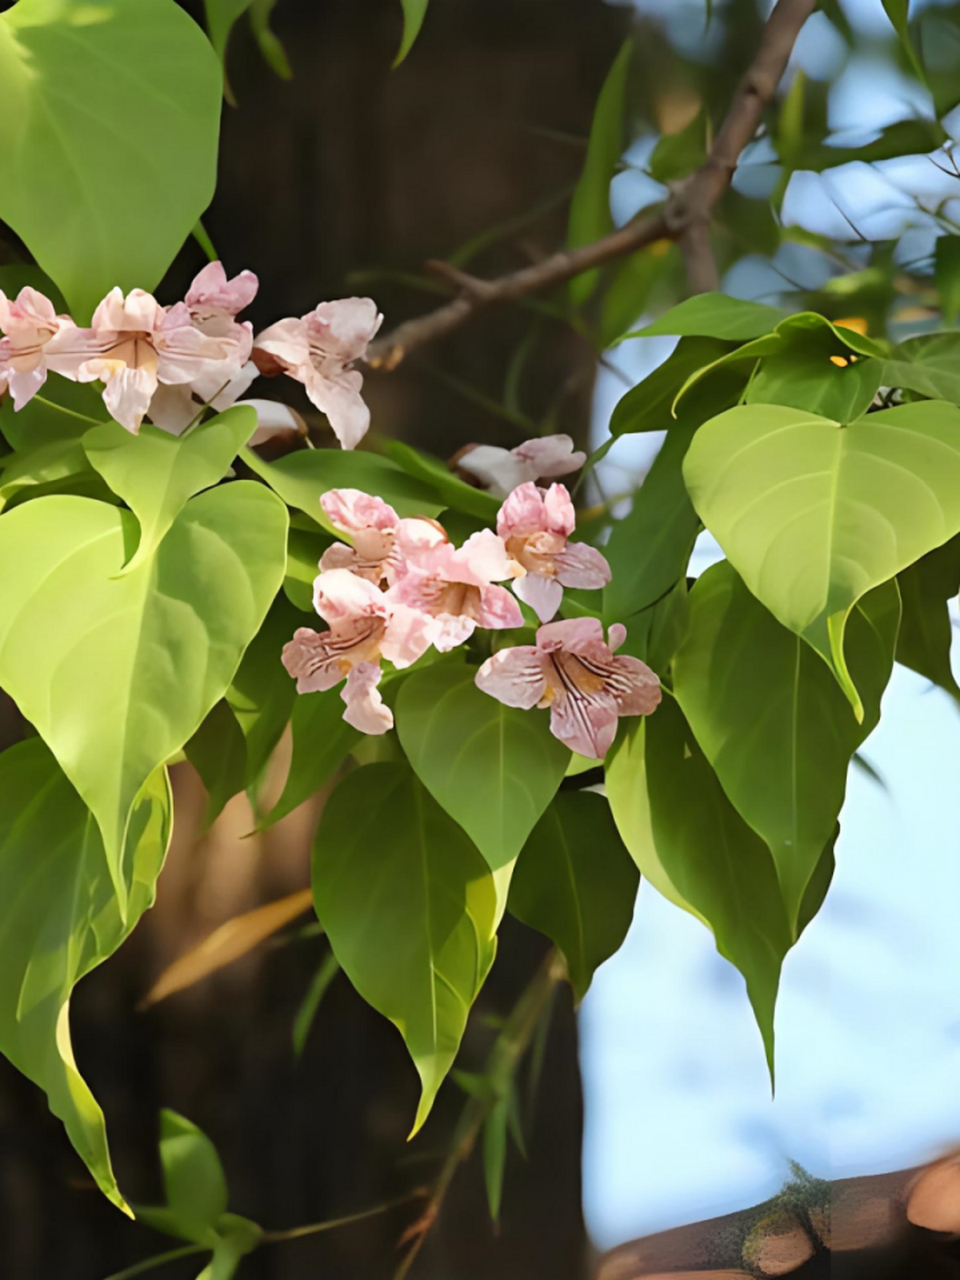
(568, 675)
(136, 351)
(536, 552)
(459, 599)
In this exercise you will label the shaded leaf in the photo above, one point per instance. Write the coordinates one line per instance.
(841, 509)
(321, 741)
(414, 12)
(193, 1178)
(647, 406)
(590, 216)
(678, 154)
(307, 1013)
(146, 655)
(946, 259)
(495, 1154)
(304, 549)
(273, 51)
(410, 909)
(772, 720)
(811, 378)
(59, 461)
(926, 633)
(576, 883)
(898, 13)
(86, 89)
(221, 16)
(218, 752)
(59, 918)
(455, 492)
(930, 366)
(63, 410)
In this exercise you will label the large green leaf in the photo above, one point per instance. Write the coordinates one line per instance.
(63, 410)
(156, 473)
(693, 846)
(61, 462)
(59, 919)
(772, 720)
(455, 492)
(321, 741)
(647, 406)
(650, 548)
(414, 12)
(493, 768)
(109, 122)
(300, 478)
(576, 882)
(812, 378)
(930, 367)
(116, 673)
(926, 632)
(590, 216)
(714, 315)
(812, 515)
(410, 909)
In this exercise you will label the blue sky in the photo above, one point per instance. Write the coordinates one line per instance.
(679, 1120)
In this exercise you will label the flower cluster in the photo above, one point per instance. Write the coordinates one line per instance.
(401, 587)
(169, 363)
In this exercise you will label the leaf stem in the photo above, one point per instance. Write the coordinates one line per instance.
(315, 1228)
(71, 413)
(139, 1268)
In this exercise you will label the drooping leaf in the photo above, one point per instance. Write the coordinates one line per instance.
(307, 1013)
(218, 752)
(946, 260)
(772, 720)
(812, 515)
(300, 478)
(649, 549)
(495, 1154)
(455, 492)
(493, 768)
(193, 1178)
(714, 315)
(575, 882)
(109, 123)
(590, 216)
(273, 51)
(156, 473)
(898, 13)
(410, 909)
(414, 12)
(59, 919)
(321, 741)
(693, 846)
(145, 656)
(221, 16)
(647, 406)
(678, 154)
(926, 632)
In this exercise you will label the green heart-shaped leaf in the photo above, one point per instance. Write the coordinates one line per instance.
(813, 515)
(116, 673)
(59, 919)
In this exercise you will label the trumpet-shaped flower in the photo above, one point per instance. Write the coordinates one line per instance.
(372, 526)
(362, 628)
(455, 586)
(536, 524)
(133, 345)
(319, 350)
(502, 470)
(575, 672)
(28, 323)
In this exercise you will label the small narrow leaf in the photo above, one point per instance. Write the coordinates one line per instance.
(576, 883)
(926, 632)
(495, 1155)
(898, 13)
(273, 51)
(414, 12)
(221, 16)
(410, 909)
(946, 260)
(307, 1013)
(193, 1178)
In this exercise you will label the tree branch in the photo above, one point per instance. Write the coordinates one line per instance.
(685, 216)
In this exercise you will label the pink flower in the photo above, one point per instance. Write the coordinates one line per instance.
(319, 350)
(214, 302)
(133, 345)
(502, 470)
(28, 323)
(535, 525)
(574, 672)
(363, 627)
(372, 526)
(453, 586)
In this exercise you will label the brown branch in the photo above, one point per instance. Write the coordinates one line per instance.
(685, 216)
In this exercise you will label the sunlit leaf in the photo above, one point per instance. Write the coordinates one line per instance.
(590, 216)
(576, 883)
(772, 720)
(493, 768)
(812, 515)
(63, 410)
(145, 656)
(193, 1177)
(59, 461)
(109, 123)
(410, 909)
(59, 918)
(926, 633)
(930, 366)
(714, 315)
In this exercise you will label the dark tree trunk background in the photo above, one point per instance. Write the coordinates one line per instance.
(350, 169)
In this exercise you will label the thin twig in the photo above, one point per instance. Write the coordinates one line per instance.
(689, 207)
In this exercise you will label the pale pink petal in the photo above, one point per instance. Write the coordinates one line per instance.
(543, 595)
(558, 508)
(340, 556)
(273, 419)
(485, 556)
(498, 470)
(586, 723)
(514, 677)
(412, 588)
(284, 342)
(340, 595)
(71, 347)
(212, 294)
(498, 609)
(365, 707)
(634, 686)
(187, 354)
(416, 534)
(127, 392)
(336, 392)
(308, 660)
(583, 566)
(138, 312)
(550, 456)
(522, 513)
(226, 397)
(408, 636)
(25, 385)
(351, 510)
(451, 630)
(31, 317)
(616, 634)
(172, 409)
(574, 634)
(343, 329)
